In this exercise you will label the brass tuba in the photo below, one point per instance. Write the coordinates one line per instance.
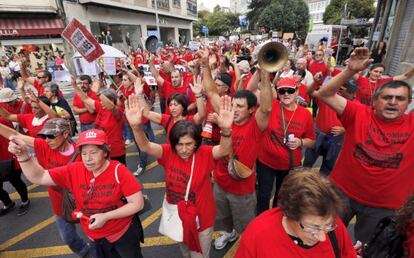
(271, 56)
(151, 44)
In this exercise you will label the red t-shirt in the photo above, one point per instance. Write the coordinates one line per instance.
(265, 237)
(184, 89)
(246, 141)
(161, 90)
(274, 153)
(302, 93)
(85, 118)
(326, 117)
(164, 122)
(112, 126)
(49, 158)
(105, 197)
(177, 174)
(315, 67)
(367, 88)
(26, 121)
(376, 163)
(17, 108)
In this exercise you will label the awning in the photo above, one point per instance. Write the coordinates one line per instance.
(30, 27)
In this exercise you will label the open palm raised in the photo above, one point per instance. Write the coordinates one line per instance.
(225, 117)
(133, 110)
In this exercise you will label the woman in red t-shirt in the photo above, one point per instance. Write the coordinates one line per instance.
(303, 97)
(180, 158)
(107, 196)
(177, 104)
(108, 118)
(306, 223)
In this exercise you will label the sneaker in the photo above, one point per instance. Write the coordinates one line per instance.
(5, 210)
(139, 171)
(225, 238)
(23, 209)
(128, 141)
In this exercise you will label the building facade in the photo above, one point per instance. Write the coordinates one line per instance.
(394, 24)
(317, 9)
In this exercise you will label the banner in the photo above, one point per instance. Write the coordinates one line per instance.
(82, 40)
(149, 79)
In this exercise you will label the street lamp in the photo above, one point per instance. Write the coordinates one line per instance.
(156, 19)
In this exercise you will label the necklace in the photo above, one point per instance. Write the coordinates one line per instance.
(290, 119)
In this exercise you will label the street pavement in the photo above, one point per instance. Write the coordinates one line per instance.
(35, 234)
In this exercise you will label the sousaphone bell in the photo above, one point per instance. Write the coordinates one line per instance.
(271, 56)
(151, 44)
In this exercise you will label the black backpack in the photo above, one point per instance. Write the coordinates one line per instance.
(386, 241)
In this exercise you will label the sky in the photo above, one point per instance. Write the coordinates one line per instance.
(211, 3)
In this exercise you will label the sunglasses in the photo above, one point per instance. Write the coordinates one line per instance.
(51, 137)
(282, 91)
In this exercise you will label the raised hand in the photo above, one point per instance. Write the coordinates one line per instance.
(133, 111)
(359, 59)
(74, 83)
(197, 88)
(204, 56)
(225, 117)
(139, 86)
(20, 83)
(18, 147)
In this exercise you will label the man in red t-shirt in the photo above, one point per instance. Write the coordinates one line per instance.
(41, 78)
(368, 85)
(86, 116)
(176, 85)
(237, 196)
(53, 151)
(374, 169)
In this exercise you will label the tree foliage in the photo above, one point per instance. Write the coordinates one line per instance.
(287, 16)
(218, 22)
(257, 7)
(335, 11)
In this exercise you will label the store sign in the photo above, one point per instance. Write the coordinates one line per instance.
(9, 32)
(361, 21)
(82, 40)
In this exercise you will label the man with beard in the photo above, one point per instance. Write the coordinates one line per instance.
(86, 117)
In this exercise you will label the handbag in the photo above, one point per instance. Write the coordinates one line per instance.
(238, 170)
(6, 169)
(68, 202)
(171, 224)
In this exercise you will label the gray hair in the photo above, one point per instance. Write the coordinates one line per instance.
(110, 94)
(393, 85)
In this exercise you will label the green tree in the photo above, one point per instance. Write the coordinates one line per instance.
(287, 16)
(256, 7)
(352, 9)
(218, 22)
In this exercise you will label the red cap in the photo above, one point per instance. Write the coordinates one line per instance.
(93, 136)
(286, 83)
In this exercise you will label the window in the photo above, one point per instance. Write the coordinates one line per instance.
(192, 7)
(162, 4)
(177, 3)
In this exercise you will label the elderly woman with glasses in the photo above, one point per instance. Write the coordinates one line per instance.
(290, 130)
(106, 194)
(305, 224)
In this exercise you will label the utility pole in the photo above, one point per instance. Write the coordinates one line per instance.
(156, 20)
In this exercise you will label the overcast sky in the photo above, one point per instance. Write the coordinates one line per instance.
(211, 3)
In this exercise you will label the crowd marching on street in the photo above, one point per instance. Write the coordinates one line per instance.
(241, 146)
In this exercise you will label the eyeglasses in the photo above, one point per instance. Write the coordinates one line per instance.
(314, 231)
(40, 77)
(282, 91)
(318, 55)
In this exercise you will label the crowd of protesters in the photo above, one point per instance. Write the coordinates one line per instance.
(253, 133)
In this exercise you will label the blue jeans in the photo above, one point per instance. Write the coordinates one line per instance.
(85, 127)
(127, 132)
(70, 237)
(143, 156)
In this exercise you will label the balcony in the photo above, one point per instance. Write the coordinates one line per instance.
(32, 6)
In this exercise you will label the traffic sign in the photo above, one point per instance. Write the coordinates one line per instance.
(204, 29)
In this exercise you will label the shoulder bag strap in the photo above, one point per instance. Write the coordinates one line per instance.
(73, 156)
(187, 191)
(116, 172)
(285, 138)
(334, 242)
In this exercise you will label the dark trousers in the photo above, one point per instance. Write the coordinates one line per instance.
(367, 218)
(17, 182)
(266, 177)
(128, 246)
(162, 105)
